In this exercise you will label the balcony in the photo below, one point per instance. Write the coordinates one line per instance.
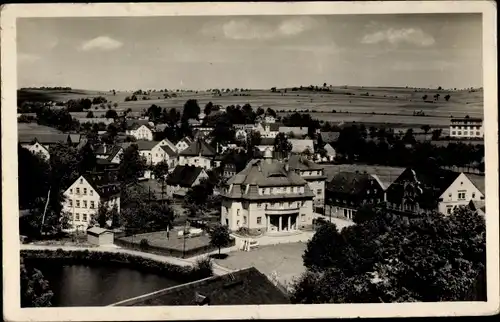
(282, 209)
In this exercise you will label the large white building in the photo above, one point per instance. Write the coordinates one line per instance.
(466, 127)
(267, 196)
(140, 129)
(84, 196)
(313, 173)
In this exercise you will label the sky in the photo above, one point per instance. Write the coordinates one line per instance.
(128, 53)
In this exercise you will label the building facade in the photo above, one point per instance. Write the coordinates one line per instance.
(198, 154)
(183, 178)
(466, 128)
(140, 132)
(183, 144)
(314, 175)
(460, 193)
(38, 149)
(84, 196)
(267, 196)
(346, 192)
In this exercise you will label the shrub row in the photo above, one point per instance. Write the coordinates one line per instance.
(183, 274)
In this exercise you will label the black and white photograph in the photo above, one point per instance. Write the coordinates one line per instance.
(165, 156)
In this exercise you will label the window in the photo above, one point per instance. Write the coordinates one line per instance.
(70, 191)
(459, 132)
(70, 203)
(77, 203)
(319, 191)
(91, 192)
(259, 205)
(84, 191)
(84, 217)
(461, 195)
(92, 205)
(85, 204)
(238, 223)
(448, 209)
(237, 212)
(303, 217)
(77, 216)
(259, 220)
(77, 191)
(244, 220)
(477, 133)
(81, 180)
(473, 195)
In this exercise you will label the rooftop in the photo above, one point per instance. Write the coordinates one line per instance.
(199, 147)
(184, 175)
(352, 183)
(244, 287)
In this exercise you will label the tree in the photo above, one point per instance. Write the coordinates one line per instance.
(271, 112)
(424, 97)
(160, 170)
(436, 134)
(426, 128)
(87, 159)
(208, 108)
(273, 89)
(105, 214)
(220, 237)
(198, 194)
(191, 110)
(447, 97)
(35, 291)
(132, 165)
(389, 258)
(90, 114)
(111, 114)
(282, 145)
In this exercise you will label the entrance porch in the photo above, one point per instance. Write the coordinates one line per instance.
(282, 223)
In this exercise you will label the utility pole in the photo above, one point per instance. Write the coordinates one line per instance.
(184, 236)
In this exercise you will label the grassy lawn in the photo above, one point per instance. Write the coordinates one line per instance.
(159, 239)
(285, 259)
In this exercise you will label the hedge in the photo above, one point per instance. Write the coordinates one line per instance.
(183, 274)
(168, 251)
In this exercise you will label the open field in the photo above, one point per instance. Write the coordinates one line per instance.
(399, 101)
(34, 128)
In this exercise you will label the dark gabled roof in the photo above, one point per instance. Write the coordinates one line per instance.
(478, 181)
(145, 145)
(135, 124)
(184, 175)
(298, 162)
(329, 137)
(104, 183)
(199, 147)
(352, 183)
(266, 141)
(244, 287)
(168, 150)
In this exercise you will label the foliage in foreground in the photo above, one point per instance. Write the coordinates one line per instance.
(393, 259)
(220, 237)
(35, 291)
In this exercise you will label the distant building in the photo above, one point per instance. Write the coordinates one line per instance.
(244, 287)
(183, 178)
(268, 130)
(155, 152)
(295, 131)
(199, 154)
(267, 196)
(110, 153)
(331, 154)
(38, 149)
(313, 174)
(329, 137)
(42, 143)
(183, 144)
(466, 127)
(84, 196)
(140, 129)
(266, 144)
(346, 192)
(460, 193)
(302, 146)
(229, 171)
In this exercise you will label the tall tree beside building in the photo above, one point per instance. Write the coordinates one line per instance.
(282, 145)
(191, 110)
(132, 165)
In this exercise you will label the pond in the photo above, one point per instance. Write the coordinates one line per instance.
(81, 285)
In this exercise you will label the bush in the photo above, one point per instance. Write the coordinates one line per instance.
(144, 244)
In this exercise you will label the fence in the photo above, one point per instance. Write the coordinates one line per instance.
(164, 251)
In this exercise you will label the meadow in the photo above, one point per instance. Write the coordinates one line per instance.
(340, 104)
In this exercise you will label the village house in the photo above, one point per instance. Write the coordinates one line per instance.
(466, 127)
(199, 154)
(265, 144)
(297, 132)
(302, 146)
(478, 207)
(41, 143)
(84, 196)
(202, 131)
(183, 178)
(329, 137)
(346, 192)
(38, 149)
(268, 130)
(140, 129)
(183, 144)
(229, 170)
(427, 190)
(112, 153)
(155, 152)
(330, 154)
(267, 196)
(313, 174)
